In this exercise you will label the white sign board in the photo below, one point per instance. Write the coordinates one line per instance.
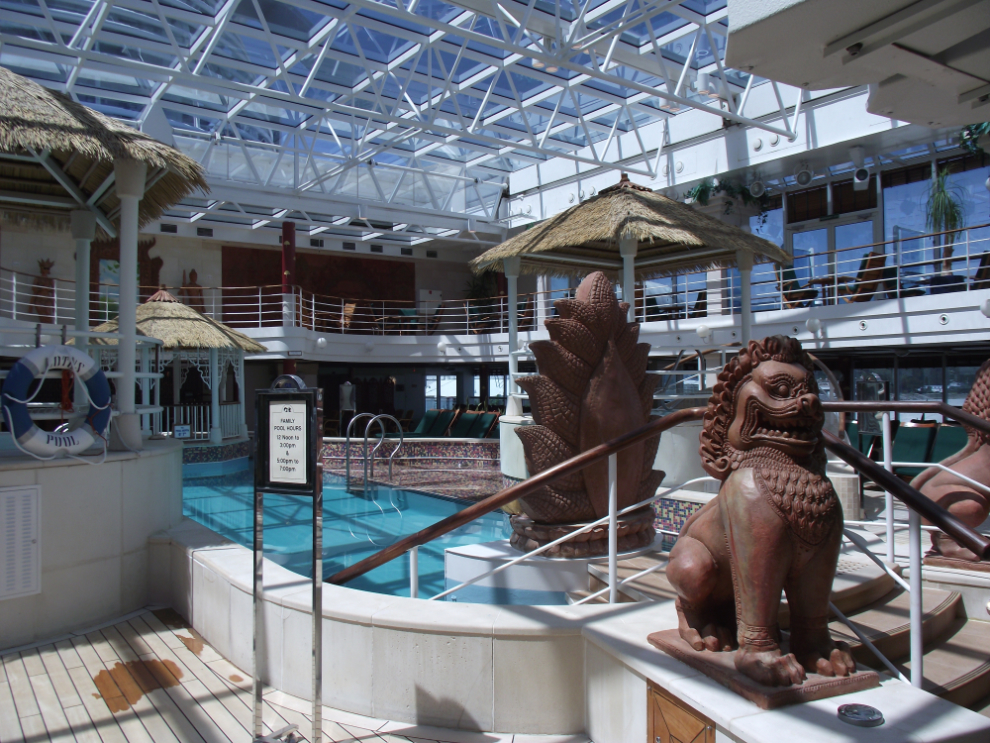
(182, 432)
(287, 442)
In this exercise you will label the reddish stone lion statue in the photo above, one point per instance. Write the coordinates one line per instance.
(776, 523)
(962, 499)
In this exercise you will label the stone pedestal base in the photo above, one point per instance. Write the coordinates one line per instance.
(635, 531)
(721, 667)
(938, 561)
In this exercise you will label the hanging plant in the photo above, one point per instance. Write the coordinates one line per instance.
(944, 213)
(704, 191)
(969, 137)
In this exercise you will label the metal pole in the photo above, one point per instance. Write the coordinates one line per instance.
(414, 573)
(887, 496)
(628, 247)
(745, 263)
(259, 555)
(917, 641)
(318, 605)
(613, 524)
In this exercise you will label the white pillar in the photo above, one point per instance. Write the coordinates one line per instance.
(130, 179)
(627, 249)
(216, 433)
(242, 396)
(543, 306)
(83, 223)
(145, 391)
(744, 260)
(513, 406)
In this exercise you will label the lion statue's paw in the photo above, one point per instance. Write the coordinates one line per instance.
(770, 667)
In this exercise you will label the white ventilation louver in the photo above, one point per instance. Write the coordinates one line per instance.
(20, 541)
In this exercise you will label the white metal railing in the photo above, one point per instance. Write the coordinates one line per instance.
(199, 418)
(925, 264)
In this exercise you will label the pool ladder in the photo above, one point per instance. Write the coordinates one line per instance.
(367, 430)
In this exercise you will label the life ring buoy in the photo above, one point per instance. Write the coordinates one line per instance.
(15, 389)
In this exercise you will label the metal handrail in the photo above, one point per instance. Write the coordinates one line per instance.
(367, 430)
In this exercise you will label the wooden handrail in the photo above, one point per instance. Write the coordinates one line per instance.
(943, 408)
(926, 508)
(489, 504)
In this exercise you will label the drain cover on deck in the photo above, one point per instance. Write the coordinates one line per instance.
(861, 715)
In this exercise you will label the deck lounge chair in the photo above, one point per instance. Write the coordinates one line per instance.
(700, 308)
(866, 284)
(981, 279)
(483, 425)
(794, 295)
(912, 444)
(461, 427)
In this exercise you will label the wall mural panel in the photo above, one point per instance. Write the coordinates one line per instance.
(330, 275)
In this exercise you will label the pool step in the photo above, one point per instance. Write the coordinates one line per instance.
(957, 665)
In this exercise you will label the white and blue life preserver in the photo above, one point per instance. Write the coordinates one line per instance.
(14, 401)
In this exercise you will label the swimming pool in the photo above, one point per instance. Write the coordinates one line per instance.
(354, 527)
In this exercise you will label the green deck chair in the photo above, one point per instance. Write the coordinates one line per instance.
(482, 425)
(461, 429)
(425, 423)
(912, 444)
(440, 425)
(948, 441)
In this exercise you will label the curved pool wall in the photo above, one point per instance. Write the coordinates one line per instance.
(94, 525)
(514, 669)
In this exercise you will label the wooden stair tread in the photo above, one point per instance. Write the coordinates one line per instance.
(574, 596)
(886, 622)
(957, 665)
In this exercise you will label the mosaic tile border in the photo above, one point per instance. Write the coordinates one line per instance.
(202, 454)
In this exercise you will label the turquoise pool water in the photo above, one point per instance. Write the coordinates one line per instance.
(354, 527)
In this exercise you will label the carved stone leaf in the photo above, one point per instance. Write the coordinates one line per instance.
(636, 361)
(590, 316)
(544, 449)
(559, 364)
(553, 406)
(646, 389)
(576, 338)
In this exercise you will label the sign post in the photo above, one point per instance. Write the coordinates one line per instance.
(289, 419)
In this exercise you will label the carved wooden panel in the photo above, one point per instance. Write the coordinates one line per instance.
(670, 720)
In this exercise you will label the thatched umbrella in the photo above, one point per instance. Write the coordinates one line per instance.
(631, 231)
(56, 154)
(670, 237)
(185, 334)
(179, 326)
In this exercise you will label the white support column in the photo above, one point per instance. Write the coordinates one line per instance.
(744, 260)
(83, 224)
(543, 307)
(216, 432)
(513, 406)
(145, 391)
(627, 249)
(130, 179)
(241, 395)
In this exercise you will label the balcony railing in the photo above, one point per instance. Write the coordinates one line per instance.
(922, 265)
(197, 417)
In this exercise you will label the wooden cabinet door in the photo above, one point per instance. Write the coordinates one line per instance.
(670, 720)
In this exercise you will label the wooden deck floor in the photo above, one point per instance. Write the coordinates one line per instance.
(149, 678)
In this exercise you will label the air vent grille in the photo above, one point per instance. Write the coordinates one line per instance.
(406, 251)
(204, 232)
(350, 246)
(377, 249)
(20, 542)
(169, 228)
(315, 243)
(431, 254)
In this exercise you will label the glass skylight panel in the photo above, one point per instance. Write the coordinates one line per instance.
(141, 54)
(111, 107)
(41, 69)
(111, 81)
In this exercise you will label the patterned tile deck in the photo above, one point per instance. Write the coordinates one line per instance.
(149, 678)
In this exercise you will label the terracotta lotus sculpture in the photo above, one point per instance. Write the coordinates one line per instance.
(592, 387)
(776, 523)
(962, 499)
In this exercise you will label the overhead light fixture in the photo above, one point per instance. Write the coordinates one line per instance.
(757, 189)
(552, 68)
(814, 325)
(707, 85)
(704, 332)
(861, 179)
(804, 176)
(539, 64)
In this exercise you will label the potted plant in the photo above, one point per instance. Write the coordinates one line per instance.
(480, 294)
(943, 214)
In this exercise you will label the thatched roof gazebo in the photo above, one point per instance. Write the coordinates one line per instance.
(63, 165)
(631, 232)
(189, 339)
(670, 237)
(56, 155)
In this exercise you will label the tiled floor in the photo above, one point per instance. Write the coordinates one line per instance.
(149, 678)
